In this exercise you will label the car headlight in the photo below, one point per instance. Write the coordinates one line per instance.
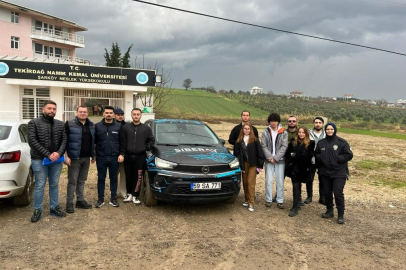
(234, 164)
(164, 164)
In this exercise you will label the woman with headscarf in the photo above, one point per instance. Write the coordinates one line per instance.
(249, 152)
(332, 156)
(299, 160)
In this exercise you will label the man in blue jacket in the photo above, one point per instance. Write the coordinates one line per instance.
(80, 148)
(107, 151)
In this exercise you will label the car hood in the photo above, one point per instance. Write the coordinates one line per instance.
(194, 154)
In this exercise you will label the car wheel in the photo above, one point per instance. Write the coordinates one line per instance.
(25, 197)
(149, 199)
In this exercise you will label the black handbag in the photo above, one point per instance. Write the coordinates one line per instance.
(290, 169)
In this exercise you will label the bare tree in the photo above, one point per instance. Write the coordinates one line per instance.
(381, 102)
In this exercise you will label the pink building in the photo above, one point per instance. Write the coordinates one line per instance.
(29, 33)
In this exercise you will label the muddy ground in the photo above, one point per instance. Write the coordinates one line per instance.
(223, 236)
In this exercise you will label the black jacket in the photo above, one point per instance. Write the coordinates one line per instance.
(136, 139)
(235, 132)
(301, 161)
(255, 154)
(332, 155)
(39, 140)
(107, 139)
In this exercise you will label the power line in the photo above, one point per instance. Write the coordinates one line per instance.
(269, 28)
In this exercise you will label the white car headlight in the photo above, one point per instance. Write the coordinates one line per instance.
(234, 164)
(164, 164)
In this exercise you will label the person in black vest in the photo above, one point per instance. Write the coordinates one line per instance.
(47, 139)
(122, 189)
(135, 139)
(332, 156)
(80, 148)
(235, 132)
(107, 151)
(299, 160)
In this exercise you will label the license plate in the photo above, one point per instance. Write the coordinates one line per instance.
(205, 186)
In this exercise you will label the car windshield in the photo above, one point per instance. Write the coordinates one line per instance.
(184, 133)
(4, 132)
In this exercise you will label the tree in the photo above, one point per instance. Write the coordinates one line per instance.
(187, 83)
(114, 59)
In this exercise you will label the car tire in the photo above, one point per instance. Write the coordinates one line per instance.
(148, 198)
(25, 198)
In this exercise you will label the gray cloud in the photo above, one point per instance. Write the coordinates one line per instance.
(233, 56)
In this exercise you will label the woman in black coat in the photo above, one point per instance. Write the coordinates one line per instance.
(298, 163)
(332, 155)
(249, 152)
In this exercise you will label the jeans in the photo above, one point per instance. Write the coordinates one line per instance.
(102, 164)
(277, 169)
(77, 176)
(41, 173)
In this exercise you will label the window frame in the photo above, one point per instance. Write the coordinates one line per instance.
(15, 17)
(15, 43)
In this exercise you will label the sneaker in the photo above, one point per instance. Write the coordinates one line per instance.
(128, 198)
(57, 212)
(136, 200)
(36, 216)
(100, 203)
(308, 200)
(245, 204)
(268, 204)
(251, 208)
(83, 205)
(302, 203)
(69, 208)
(114, 202)
(280, 206)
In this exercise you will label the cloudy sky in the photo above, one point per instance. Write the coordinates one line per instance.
(228, 56)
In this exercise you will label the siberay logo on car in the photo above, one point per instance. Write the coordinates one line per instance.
(195, 149)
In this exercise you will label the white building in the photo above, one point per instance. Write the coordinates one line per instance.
(256, 90)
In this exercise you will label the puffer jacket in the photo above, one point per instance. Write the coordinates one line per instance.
(281, 144)
(39, 130)
(74, 144)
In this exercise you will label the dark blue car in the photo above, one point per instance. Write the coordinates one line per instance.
(189, 164)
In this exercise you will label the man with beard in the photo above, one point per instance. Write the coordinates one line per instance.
(292, 127)
(107, 151)
(135, 139)
(80, 149)
(316, 134)
(47, 139)
(122, 190)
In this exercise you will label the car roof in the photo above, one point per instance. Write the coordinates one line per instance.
(11, 123)
(173, 121)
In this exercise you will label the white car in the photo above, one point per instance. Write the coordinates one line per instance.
(16, 176)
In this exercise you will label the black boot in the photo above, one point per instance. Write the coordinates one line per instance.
(293, 212)
(308, 200)
(340, 219)
(322, 200)
(329, 213)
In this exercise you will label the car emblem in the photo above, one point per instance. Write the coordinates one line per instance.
(205, 169)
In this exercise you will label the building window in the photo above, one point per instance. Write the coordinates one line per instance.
(15, 17)
(15, 42)
(32, 101)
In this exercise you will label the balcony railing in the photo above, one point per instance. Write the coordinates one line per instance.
(56, 58)
(52, 33)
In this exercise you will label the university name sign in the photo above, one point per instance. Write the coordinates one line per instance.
(75, 73)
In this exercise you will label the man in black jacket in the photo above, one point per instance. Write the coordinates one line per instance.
(135, 139)
(47, 139)
(122, 190)
(235, 132)
(107, 151)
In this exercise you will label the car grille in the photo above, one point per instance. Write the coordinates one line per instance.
(199, 169)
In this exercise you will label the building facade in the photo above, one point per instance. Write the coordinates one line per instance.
(256, 90)
(38, 62)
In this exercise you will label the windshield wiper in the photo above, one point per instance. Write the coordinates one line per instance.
(198, 144)
(168, 144)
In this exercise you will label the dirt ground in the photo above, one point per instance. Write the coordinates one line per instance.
(221, 236)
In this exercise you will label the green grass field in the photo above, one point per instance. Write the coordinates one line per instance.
(373, 133)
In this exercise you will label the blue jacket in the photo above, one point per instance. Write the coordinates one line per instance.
(108, 139)
(75, 138)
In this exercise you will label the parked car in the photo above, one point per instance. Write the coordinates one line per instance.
(189, 164)
(16, 176)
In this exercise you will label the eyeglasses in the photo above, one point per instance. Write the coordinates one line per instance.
(291, 121)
